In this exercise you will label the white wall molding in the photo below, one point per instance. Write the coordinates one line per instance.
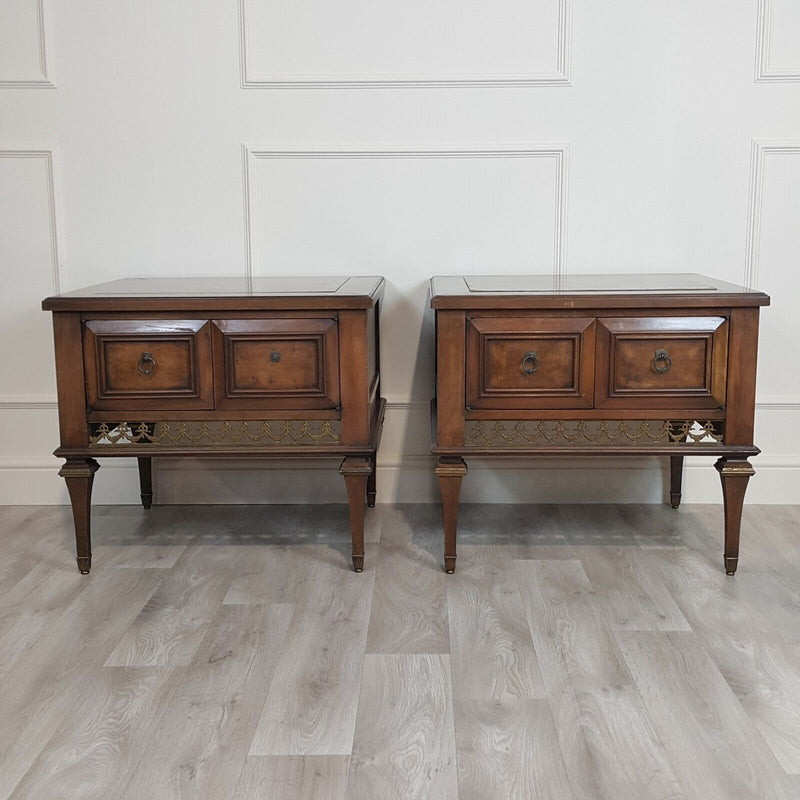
(49, 154)
(558, 151)
(44, 79)
(28, 403)
(760, 150)
(765, 71)
(560, 76)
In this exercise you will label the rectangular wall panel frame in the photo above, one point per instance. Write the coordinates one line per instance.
(559, 152)
(44, 80)
(560, 76)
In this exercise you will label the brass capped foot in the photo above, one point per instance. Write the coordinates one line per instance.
(371, 499)
(449, 564)
(84, 564)
(675, 499)
(731, 563)
(358, 563)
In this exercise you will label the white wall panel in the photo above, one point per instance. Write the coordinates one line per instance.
(778, 45)
(24, 44)
(414, 43)
(30, 258)
(773, 247)
(660, 109)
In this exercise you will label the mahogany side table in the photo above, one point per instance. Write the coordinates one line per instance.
(221, 367)
(532, 366)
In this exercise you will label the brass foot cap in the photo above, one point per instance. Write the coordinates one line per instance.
(449, 564)
(358, 563)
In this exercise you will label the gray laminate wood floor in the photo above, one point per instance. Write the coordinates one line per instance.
(229, 652)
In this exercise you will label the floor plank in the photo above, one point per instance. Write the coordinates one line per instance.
(294, 778)
(204, 736)
(748, 626)
(609, 746)
(409, 607)
(408, 692)
(491, 651)
(705, 730)
(173, 623)
(52, 676)
(509, 749)
(312, 700)
(96, 748)
(632, 592)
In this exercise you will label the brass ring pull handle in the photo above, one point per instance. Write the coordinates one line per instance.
(661, 361)
(147, 364)
(530, 362)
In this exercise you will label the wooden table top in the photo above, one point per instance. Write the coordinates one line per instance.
(585, 291)
(268, 292)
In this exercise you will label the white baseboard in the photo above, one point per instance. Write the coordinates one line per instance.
(35, 481)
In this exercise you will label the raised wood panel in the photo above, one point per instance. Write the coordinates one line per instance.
(530, 362)
(148, 364)
(276, 363)
(664, 362)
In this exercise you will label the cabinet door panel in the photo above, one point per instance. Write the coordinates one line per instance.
(530, 362)
(667, 362)
(276, 363)
(147, 364)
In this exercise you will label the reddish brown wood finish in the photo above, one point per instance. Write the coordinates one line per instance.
(354, 376)
(281, 363)
(140, 363)
(450, 377)
(283, 349)
(742, 353)
(146, 481)
(668, 347)
(356, 472)
(79, 476)
(530, 362)
(70, 386)
(735, 475)
(675, 480)
(450, 472)
(661, 361)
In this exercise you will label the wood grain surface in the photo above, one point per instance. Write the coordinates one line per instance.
(578, 653)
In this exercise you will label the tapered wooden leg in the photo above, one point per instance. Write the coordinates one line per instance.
(450, 471)
(675, 479)
(371, 485)
(146, 480)
(356, 471)
(734, 475)
(79, 475)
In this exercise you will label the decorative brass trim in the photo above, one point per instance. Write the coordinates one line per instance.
(79, 468)
(356, 466)
(216, 433)
(742, 468)
(451, 468)
(579, 433)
